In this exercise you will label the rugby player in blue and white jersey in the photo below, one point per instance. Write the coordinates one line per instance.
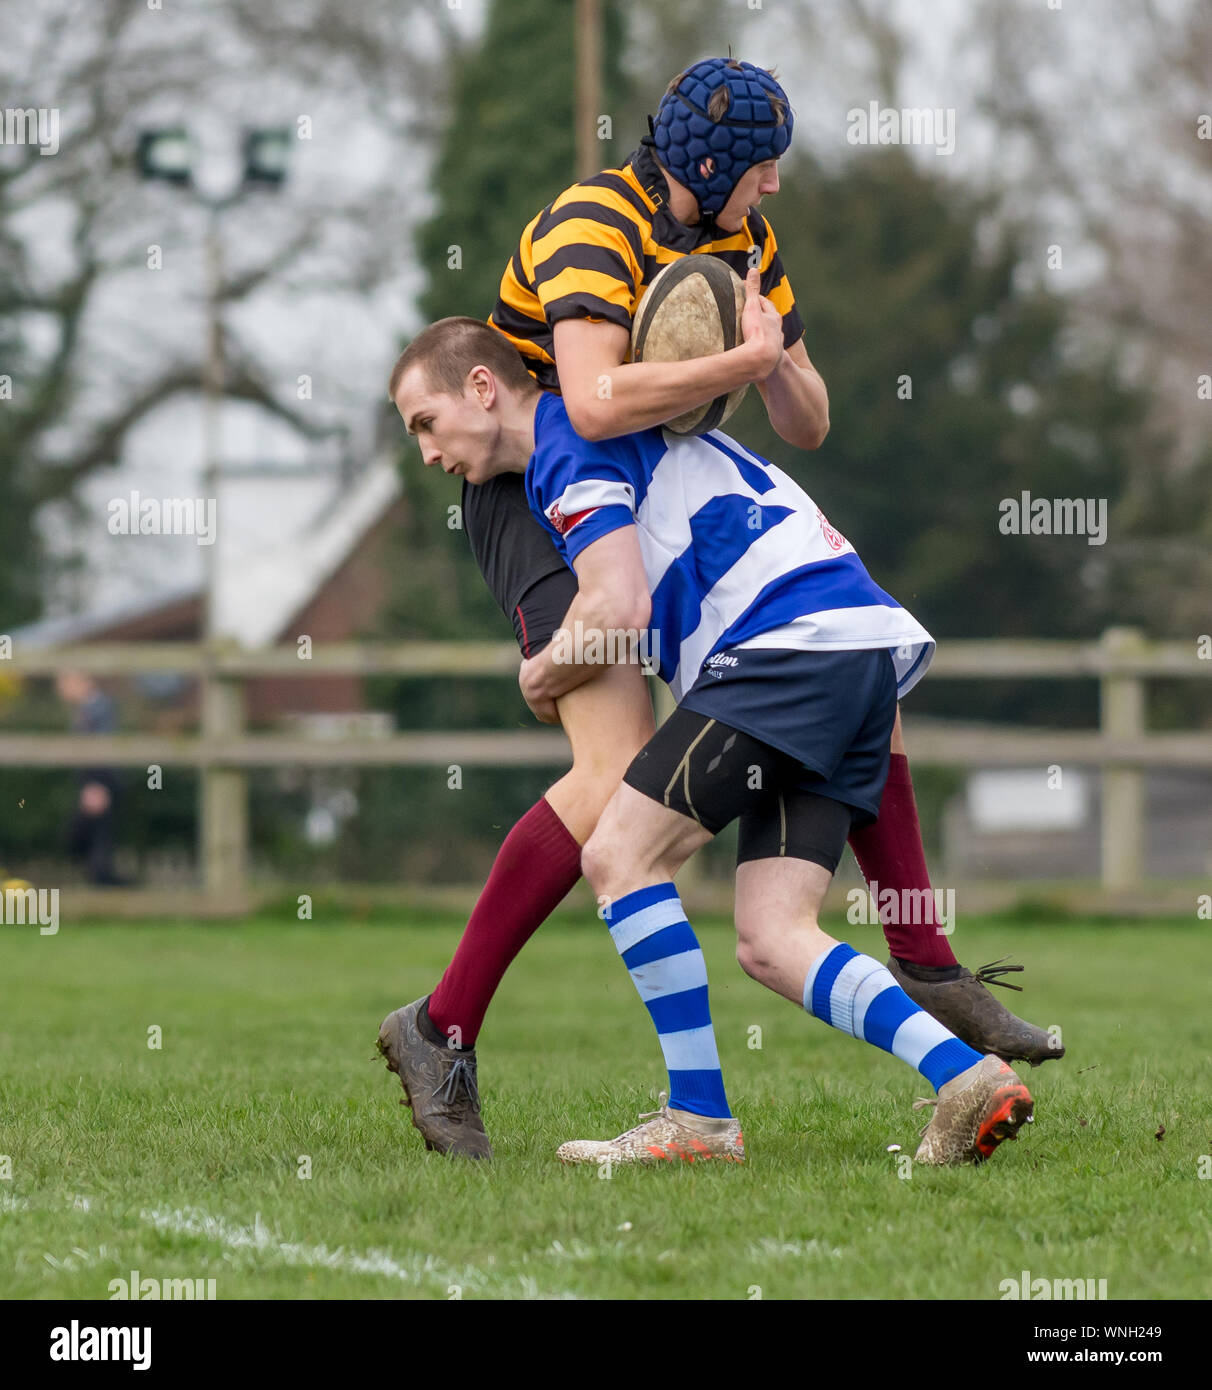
(787, 661)
(566, 302)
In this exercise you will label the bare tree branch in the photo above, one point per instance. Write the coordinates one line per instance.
(108, 68)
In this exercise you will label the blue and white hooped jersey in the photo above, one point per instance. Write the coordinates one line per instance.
(736, 554)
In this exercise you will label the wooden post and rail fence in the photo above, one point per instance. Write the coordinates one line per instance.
(223, 749)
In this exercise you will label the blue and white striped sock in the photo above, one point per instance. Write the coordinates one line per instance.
(662, 956)
(857, 995)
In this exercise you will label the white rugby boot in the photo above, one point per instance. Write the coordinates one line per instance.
(667, 1136)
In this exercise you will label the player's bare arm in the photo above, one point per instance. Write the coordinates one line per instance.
(612, 596)
(796, 399)
(607, 397)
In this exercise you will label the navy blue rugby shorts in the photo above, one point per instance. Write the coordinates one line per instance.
(765, 733)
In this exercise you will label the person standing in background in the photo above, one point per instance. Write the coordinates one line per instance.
(93, 825)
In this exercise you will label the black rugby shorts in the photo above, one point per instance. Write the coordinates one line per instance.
(519, 561)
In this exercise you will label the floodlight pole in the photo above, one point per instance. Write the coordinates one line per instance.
(265, 152)
(213, 382)
(223, 790)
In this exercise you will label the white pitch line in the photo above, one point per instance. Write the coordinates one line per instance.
(768, 1246)
(260, 1240)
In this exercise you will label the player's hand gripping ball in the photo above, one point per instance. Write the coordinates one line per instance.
(692, 309)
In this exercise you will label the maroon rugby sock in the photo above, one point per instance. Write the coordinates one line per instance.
(890, 854)
(534, 871)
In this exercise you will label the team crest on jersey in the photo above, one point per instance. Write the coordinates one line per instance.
(833, 539)
(563, 524)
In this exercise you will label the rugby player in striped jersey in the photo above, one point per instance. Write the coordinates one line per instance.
(786, 661)
(567, 299)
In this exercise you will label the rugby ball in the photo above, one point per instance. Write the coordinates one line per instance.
(692, 309)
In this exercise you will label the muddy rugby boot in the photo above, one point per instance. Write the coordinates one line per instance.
(439, 1086)
(966, 1007)
(973, 1113)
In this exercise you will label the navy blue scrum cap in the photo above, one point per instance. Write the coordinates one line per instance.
(747, 133)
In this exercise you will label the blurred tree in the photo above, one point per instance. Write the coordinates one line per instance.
(1103, 121)
(506, 151)
(21, 560)
(664, 39)
(77, 225)
(508, 148)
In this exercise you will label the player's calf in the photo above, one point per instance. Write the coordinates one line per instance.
(630, 860)
(857, 995)
(662, 955)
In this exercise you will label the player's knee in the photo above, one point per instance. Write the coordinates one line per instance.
(598, 860)
(752, 956)
(762, 937)
(594, 783)
(752, 945)
(614, 861)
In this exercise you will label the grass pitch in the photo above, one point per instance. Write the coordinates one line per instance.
(185, 1161)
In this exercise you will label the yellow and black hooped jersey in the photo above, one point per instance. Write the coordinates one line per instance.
(593, 252)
